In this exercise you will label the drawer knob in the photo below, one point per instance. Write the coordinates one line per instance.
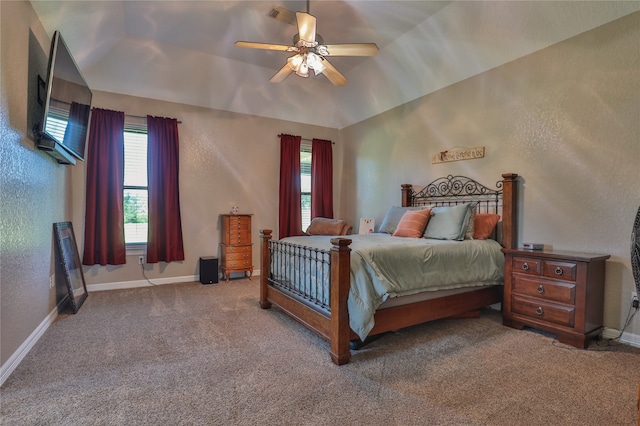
(525, 266)
(539, 311)
(558, 271)
(540, 289)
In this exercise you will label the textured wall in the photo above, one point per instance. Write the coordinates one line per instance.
(565, 118)
(32, 191)
(226, 159)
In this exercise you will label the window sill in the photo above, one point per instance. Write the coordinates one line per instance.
(136, 249)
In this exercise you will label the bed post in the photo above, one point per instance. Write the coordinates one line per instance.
(340, 331)
(265, 267)
(510, 210)
(406, 194)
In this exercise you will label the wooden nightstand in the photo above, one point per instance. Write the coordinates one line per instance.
(236, 247)
(557, 291)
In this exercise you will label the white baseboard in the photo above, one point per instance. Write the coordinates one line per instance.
(17, 357)
(628, 338)
(141, 283)
(144, 283)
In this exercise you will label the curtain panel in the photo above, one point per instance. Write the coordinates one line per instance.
(76, 132)
(104, 215)
(164, 241)
(321, 179)
(290, 216)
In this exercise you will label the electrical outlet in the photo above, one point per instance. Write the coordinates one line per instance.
(141, 260)
(634, 299)
(52, 281)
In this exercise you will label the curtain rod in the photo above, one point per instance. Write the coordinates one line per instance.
(305, 139)
(145, 117)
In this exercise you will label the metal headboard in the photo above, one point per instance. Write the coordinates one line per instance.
(452, 190)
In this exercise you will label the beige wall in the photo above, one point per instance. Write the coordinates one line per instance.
(567, 119)
(32, 190)
(226, 159)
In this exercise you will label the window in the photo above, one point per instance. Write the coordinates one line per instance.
(56, 127)
(305, 184)
(136, 204)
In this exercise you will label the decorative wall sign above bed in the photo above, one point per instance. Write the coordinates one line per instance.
(457, 154)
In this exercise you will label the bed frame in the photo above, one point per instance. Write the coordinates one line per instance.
(332, 322)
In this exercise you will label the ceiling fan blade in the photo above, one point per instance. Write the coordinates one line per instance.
(282, 74)
(266, 46)
(333, 74)
(306, 26)
(353, 49)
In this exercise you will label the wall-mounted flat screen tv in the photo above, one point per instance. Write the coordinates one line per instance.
(67, 106)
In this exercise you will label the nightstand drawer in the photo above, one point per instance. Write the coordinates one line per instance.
(527, 265)
(555, 291)
(540, 310)
(559, 270)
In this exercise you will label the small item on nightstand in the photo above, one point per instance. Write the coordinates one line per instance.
(234, 210)
(532, 246)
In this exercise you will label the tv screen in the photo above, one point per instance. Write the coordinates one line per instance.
(67, 105)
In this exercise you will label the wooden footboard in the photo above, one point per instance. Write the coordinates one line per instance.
(332, 322)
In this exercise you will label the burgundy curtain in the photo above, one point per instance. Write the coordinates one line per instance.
(321, 179)
(164, 242)
(75, 134)
(290, 220)
(104, 215)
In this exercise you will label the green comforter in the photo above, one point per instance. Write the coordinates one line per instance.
(384, 266)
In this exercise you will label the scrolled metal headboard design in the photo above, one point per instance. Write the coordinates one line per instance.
(453, 190)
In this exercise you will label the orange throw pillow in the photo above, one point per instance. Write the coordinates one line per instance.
(484, 225)
(413, 223)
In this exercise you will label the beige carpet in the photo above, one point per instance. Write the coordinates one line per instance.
(193, 354)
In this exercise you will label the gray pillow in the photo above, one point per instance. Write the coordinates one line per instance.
(392, 218)
(449, 222)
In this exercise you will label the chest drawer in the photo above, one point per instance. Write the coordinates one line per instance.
(238, 263)
(549, 290)
(543, 311)
(242, 222)
(559, 270)
(526, 265)
(237, 249)
(236, 244)
(238, 255)
(237, 237)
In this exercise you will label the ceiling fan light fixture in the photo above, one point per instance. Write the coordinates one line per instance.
(303, 70)
(315, 63)
(298, 64)
(300, 43)
(312, 52)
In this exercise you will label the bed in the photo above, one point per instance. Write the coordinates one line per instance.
(318, 280)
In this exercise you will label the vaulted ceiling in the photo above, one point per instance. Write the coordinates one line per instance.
(183, 51)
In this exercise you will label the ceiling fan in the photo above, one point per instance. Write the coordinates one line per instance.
(311, 52)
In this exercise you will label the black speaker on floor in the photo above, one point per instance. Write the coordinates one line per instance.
(209, 270)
